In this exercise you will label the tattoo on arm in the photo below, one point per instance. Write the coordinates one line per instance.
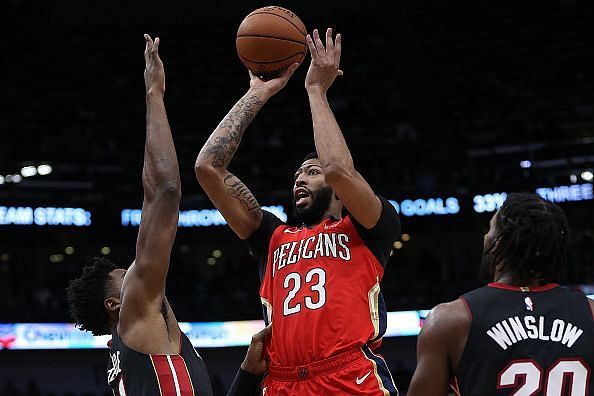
(224, 142)
(239, 191)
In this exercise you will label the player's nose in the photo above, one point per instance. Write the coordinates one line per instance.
(301, 180)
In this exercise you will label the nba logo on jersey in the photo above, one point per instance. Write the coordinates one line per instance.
(529, 304)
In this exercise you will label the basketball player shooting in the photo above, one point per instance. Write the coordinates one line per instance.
(522, 334)
(321, 280)
(149, 354)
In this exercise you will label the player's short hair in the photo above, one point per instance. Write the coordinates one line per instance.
(310, 155)
(533, 238)
(87, 294)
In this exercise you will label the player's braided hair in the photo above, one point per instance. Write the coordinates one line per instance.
(533, 238)
(86, 296)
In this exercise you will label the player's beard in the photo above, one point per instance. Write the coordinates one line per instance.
(313, 214)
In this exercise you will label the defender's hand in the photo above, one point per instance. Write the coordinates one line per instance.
(325, 61)
(274, 85)
(154, 73)
(254, 361)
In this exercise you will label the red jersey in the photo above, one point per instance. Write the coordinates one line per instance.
(321, 285)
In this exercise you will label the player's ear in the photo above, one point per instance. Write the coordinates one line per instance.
(112, 304)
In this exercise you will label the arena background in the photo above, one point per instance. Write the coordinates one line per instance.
(446, 105)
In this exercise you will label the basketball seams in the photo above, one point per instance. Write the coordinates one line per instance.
(272, 37)
(304, 33)
(275, 61)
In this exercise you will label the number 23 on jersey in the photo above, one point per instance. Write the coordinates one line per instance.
(315, 281)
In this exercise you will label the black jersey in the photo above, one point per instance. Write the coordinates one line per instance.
(133, 373)
(527, 341)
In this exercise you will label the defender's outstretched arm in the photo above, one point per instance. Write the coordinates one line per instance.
(144, 283)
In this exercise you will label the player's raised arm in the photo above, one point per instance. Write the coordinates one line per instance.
(337, 163)
(231, 197)
(144, 283)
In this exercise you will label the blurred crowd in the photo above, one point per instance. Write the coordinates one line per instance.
(417, 277)
(431, 103)
(437, 98)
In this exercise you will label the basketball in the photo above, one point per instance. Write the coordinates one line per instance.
(269, 40)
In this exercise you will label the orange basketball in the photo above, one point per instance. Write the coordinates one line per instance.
(270, 39)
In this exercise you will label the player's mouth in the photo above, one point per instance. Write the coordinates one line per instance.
(301, 196)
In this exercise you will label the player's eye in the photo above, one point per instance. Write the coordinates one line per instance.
(314, 172)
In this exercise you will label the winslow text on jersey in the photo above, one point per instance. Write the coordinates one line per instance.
(515, 329)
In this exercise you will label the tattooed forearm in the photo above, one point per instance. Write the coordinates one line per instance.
(239, 191)
(223, 143)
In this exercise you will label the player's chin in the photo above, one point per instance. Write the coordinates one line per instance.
(303, 203)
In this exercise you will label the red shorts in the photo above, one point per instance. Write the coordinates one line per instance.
(356, 372)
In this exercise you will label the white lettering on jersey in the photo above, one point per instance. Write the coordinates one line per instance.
(532, 330)
(321, 245)
(345, 253)
(306, 253)
(121, 388)
(330, 241)
(292, 258)
(571, 335)
(513, 330)
(518, 329)
(115, 369)
(319, 252)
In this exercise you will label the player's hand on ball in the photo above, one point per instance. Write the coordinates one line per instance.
(254, 361)
(325, 61)
(154, 73)
(274, 85)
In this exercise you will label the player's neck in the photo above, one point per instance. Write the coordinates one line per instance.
(334, 210)
(334, 213)
(512, 280)
(113, 324)
(330, 213)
